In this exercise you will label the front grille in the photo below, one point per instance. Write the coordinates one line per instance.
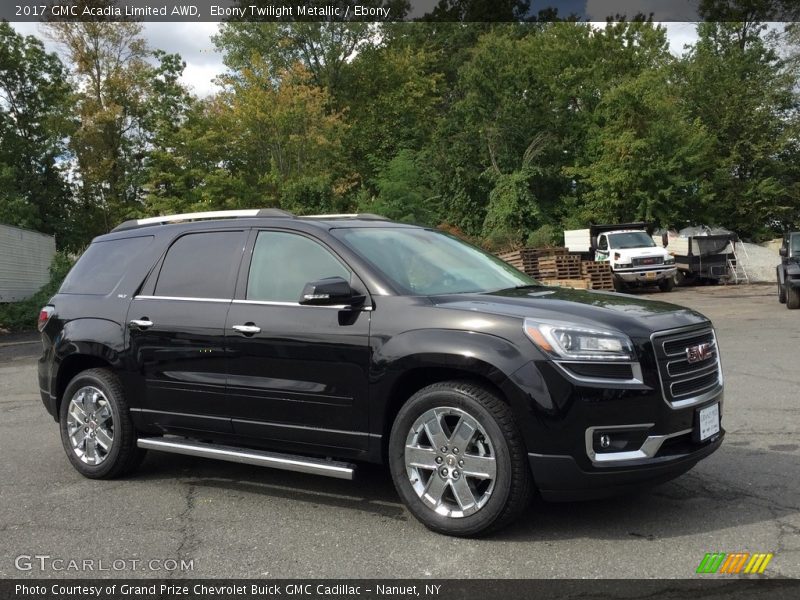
(682, 380)
(648, 260)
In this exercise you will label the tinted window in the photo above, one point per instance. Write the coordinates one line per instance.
(102, 266)
(201, 265)
(283, 263)
(427, 262)
(631, 239)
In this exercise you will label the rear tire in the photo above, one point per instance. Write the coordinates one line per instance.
(781, 294)
(792, 298)
(458, 461)
(96, 428)
(666, 284)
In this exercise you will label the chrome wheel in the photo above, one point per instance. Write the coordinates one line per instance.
(450, 462)
(90, 425)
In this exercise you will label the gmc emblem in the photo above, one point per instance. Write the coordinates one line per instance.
(698, 353)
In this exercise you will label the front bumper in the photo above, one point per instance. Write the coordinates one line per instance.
(560, 478)
(651, 275)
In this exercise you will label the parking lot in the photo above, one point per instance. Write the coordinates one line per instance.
(240, 521)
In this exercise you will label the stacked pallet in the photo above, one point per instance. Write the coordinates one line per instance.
(527, 259)
(598, 275)
(560, 267)
(577, 284)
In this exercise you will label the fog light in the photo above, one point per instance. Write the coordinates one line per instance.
(605, 441)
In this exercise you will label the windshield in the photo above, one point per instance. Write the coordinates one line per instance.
(795, 245)
(424, 262)
(630, 239)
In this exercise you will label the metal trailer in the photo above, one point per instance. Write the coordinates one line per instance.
(25, 258)
(709, 258)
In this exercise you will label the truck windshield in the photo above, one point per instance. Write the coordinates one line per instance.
(630, 239)
(795, 245)
(424, 262)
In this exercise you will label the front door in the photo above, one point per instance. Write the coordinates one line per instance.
(177, 332)
(297, 374)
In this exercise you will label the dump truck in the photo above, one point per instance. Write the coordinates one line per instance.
(635, 259)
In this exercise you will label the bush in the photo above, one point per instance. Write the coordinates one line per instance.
(22, 316)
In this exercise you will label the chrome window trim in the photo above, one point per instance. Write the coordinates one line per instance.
(689, 331)
(636, 368)
(184, 298)
(649, 448)
(262, 302)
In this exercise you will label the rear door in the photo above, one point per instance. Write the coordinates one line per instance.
(177, 331)
(298, 379)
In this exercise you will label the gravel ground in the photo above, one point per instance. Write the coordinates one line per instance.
(759, 262)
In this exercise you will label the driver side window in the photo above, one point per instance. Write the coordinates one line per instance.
(602, 244)
(283, 263)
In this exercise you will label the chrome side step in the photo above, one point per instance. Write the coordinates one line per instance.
(261, 458)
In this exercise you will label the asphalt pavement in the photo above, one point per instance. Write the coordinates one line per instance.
(230, 520)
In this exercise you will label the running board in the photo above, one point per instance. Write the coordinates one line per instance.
(261, 458)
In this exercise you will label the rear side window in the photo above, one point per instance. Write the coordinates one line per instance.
(103, 265)
(201, 265)
(283, 263)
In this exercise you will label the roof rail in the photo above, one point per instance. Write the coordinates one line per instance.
(363, 216)
(211, 214)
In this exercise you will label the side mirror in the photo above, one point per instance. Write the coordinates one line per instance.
(784, 251)
(327, 292)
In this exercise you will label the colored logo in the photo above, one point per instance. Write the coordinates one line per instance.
(737, 562)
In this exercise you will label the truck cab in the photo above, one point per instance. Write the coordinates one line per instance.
(634, 257)
(789, 271)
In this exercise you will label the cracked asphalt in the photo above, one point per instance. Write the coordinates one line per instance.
(240, 521)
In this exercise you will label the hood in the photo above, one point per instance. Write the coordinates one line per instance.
(640, 252)
(632, 315)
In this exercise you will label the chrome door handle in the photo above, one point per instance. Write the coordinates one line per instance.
(140, 324)
(247, 329)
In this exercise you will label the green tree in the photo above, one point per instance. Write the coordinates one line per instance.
(736, 85)
(34, 120)
(403, 191)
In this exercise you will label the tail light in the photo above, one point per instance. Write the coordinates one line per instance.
(44, 316)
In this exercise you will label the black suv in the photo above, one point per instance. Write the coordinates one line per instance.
(789, 271)
(314, 343)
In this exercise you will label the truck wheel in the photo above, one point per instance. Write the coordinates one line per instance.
(619, 286)
(680, 278)
(458, 461)
(666, 284)
(781, 294)
(96, 428)
(792, 298)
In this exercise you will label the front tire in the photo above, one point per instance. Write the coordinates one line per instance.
(96, 429)
(792, 298)
(781, 294)
(619, 286)
(666, 284)
(457, 460)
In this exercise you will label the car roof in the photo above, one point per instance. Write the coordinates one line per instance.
(247, 218)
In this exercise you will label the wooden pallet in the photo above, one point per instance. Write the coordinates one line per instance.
(527, 259)
(578, 284)
(598, 275)
(560, 267)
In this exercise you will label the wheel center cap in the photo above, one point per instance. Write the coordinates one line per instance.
(450, 461)
(92, 425)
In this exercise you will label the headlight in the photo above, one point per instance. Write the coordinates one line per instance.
(669, 260)
(624, 265)
(576, 342)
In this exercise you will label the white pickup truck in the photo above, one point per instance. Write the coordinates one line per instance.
(634, 257)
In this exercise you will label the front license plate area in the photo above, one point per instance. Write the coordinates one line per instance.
(650, 275)
(707, 422)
